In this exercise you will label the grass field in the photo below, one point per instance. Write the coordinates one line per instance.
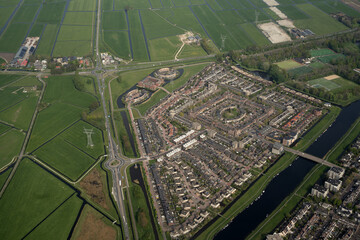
(73, 48)
(338, 84)
(26, 13)
(82, 5)
(299, 71)
(43, 194)
(72, 33)
(114, 21)
(5, 13)
(137, 38)
(93, 225)
(79, 18)
(323, 83)
(191, 51)
(75, 135)
(319, 22)
(141, 4)
(10, 143)
(321, 52)
(12, 38)
(47, 40)
(65, 158)
(8, 98)
(329, 58)
(293, 12)
(164, 48)
(155, 98)
(288, 64)
(51, 12)
(58, 225)
(61, 89)
(4, 128)
(50, 122)
(157, 27)
(20, 114)
(4, 175)
(117, 42)
(25, 81)
(316, 65)
(6, 79)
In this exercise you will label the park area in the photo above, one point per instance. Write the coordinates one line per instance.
(148, 30)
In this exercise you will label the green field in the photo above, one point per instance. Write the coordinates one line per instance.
(47, 40)
(137, 38)
(50, 122)
(189, 51)
(122, 4)
(79, 18)
(124, 136)
(4, 128)
(5, 13)
(319, 23)
(73, 48)
(6, 79)
(10, 143)
(75, 135)
(288, 64)
(51, 12)
(20, 114)
(61, 89)
(323, 83)
(114, 21)
(158, 27)
(11, 39)
(292, 12)
(155, 98)
(117, 42)
(65, 158)
(25, 81)
(299, 71)
(58, 225)
(338, 84)
(72, 33)
(43, 194)
(26, 13)
(9, 97)
(82, 5)
(321, 52)
(164, 48)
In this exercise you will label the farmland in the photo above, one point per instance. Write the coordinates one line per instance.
(143, 28)
(44, 193)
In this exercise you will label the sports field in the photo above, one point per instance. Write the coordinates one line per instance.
(323, 83)
(288, 64)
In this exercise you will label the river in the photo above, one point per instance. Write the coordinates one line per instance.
(286, 182)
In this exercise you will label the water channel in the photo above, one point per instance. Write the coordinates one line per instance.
(286, 182)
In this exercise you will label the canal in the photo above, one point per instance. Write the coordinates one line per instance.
(286, 182)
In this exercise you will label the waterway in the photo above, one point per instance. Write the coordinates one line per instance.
(136, 178)
(286, 182)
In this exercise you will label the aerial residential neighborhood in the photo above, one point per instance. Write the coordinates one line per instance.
(180, 119)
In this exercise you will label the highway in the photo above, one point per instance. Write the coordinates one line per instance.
(113, 154)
